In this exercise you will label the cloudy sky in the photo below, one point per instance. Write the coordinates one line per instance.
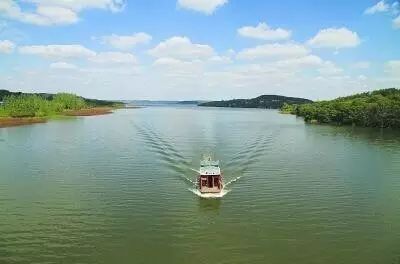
(199, 49)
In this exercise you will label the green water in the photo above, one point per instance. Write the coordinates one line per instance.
(115, 189)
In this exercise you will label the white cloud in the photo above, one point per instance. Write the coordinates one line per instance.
(335, 38)
(78, 5)
(361, 65)
(329, 68)
(63, 66)
(381, 6)
(220, 59)
(274, 51)
(181, 48)
(126, 42)
(306, 61)
(6, 46)
(176, 67)
(109, 71)
(395, 8)
(393, 67)
(113, 58)
(396, 22)
(43, 15)
(58, 51)
(362, 77)
(205, 6)
(264, 32)
(47, 15)
(55, 12)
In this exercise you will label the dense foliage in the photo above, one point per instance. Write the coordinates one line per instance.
(38, 106)
(379, 108)
(263, 101)
(66, 101)
(47, 96)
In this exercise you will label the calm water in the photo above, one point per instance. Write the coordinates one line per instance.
(116, 189)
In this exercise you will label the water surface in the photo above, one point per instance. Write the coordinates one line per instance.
(116, 189)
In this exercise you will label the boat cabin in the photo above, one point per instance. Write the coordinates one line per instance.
(210, 180)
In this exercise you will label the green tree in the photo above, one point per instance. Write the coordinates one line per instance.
(66, 101)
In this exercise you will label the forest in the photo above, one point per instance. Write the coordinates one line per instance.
(38, 106)
(19, 105)
(379, 108)
(263, 101)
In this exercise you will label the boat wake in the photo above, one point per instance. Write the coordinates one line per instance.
(179, 163)
(194, 170)
(209, 195)
(233, 180)
(189, 180)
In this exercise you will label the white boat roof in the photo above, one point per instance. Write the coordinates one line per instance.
(210, 170)
(210, 167)
(209, 163)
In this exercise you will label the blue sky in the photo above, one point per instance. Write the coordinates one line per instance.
(199, 49)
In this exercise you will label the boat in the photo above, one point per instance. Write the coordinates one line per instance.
(210, 178)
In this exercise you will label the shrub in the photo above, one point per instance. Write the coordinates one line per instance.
(66, 101)
(37, 106)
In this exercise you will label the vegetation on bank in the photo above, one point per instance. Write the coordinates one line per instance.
(380, 108)
(19, 106)
(20, 109)
(263, 101)
(88, 102)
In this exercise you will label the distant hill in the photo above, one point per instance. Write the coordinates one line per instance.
(48, 96)
(192, 102)
(263, 101)
(163, 103)
(380, 108)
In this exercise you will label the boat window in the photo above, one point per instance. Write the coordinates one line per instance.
(216, 181)
(204, 182)
(209, 181)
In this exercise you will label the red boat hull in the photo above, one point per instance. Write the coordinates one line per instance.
(210, 183)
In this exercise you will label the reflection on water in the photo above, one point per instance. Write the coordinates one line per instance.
(115, 187)
(209, 205)
(370, 135)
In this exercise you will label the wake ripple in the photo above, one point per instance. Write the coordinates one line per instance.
(167, 152)
(209, 195)
(233, 180)
(240, 162)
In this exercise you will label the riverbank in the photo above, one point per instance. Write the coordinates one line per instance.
(11, 121)
(89, 111)
(17, 109)
(379, 108)
(22, 121)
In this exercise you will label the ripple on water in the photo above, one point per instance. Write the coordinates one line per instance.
(97, 190)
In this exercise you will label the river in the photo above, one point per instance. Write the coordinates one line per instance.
(119, 189)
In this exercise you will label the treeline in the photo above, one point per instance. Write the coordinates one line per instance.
(38, 106)
(263, 101)
(380, 108)
(89, 102)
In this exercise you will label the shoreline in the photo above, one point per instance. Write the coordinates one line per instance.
(89, 111)
(22, 121)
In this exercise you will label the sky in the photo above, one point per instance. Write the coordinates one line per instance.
(199, 49)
